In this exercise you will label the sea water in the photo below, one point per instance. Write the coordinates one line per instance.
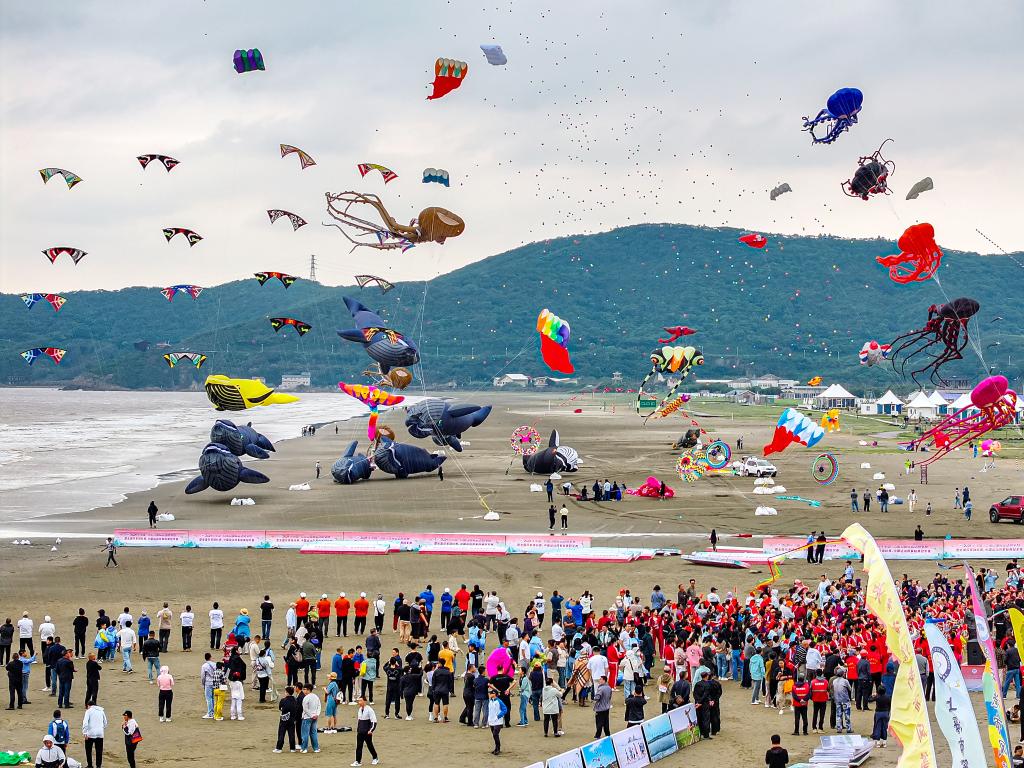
(70, 451)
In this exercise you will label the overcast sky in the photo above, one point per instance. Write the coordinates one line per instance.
(607, 114)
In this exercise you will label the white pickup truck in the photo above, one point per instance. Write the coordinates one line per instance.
(754, 466)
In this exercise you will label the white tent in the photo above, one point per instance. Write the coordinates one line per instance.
(940, 403)
(921, 407)
(889, 404)
(964, 401)
(835, 397)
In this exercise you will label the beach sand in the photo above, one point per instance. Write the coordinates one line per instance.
(612, 443)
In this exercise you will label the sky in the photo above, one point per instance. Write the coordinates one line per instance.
(607, 114)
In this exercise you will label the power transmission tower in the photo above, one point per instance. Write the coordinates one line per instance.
(312, 269)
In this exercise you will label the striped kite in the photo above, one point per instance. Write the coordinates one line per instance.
(386, 173)
(304, 159)
(69, 178)
(170, 291)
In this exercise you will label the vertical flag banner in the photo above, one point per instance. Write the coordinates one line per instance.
(953, 709)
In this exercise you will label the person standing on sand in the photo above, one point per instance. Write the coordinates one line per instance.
(152, 514)
(714, 540)
(968, 508)
(318, 470)
(111, 549)
(551, 517)
(132, 736)
(550, 488)
(912, 500)
(853, 500)
(777, 756)
(928, 509)
(564, 513)
(440, 473)
(956, 498)
(867, 500)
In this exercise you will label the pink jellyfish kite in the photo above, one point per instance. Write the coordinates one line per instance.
(499, 661)
(652, 490)
(995, 404)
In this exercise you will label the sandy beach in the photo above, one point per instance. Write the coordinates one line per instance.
(612, 443)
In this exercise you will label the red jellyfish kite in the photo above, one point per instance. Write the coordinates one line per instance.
(448, 75)
(754, 240)
(919, 257)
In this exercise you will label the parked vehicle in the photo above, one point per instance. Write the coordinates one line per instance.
(754, 466)
(1010, 508)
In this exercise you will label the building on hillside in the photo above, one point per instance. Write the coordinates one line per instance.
(295, 380)
(544, 381)
(921, 407)
(835, 396)
(771, 381)
(887, 405)
(616, 376)
(511, 380)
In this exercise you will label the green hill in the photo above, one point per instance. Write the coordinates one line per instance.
(801, 307)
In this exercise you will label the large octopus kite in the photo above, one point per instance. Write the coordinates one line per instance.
(433, 225)
(943, 330)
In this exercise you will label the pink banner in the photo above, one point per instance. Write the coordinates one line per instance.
(148, 537)
(904, 549)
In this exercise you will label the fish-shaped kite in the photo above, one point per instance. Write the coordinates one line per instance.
(54, 353)
(71, 179)
(192, 237)
(170, 291)
(55, 299)
(373, 397)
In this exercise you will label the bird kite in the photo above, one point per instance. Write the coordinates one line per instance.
(675, 332)
(192, 237)
(170, 291)
(365, 280)
(286, 280)
(304, 159)
(435, 175)
(76, 254)
(195, 358)
(554, 342)
(296, 220)
(448, 75)
(168, 162)
(280, 322)
(69, 178)
(677, 360)
(55, 300)
(373, 397)
(54, 353)
(386, 173)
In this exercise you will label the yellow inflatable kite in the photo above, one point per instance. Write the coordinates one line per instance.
(228, 394)
(830, 421)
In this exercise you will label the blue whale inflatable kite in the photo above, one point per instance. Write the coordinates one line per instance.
(351, 468)
(402, 460)
(241, 440)
(554, 458)
(388, 347)
(442, 422)
(221, 470)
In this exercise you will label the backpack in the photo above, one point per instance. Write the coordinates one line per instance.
(61, 733)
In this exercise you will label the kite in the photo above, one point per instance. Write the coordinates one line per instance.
(195, 358)
(383, 284)
(793, 427)
(667, 409)
(372, 397)
(825, 469)
(873, 353)
(170, 291)
(221, 470)
(696, 462)
(192, 237)
(688, 440)
(277, 323)
(995, 406)
(808, 502)
(54, 353)
(871, 176)
(943, 330)
(76, 254)
(248, 60)
(286, 280)
(433, 225)
(675, 332)
(554, 458)
(386, 173)
(652, 488)
(403, 460)
(443, 422)
(494, 55)
(55, 299)
(241, 440)
(678, 360)
(448, 75)
(296, 220)
(399, 378)
(435, 175)
(924, 185)
(168, 162)
(525, 441)
(229, 394)
(782, 189)
(919, 257)
(351, 468)
(990, 447)
(815, 381)
(304, 159)
(754, 240)
(388, 347)
(839, 115)
(830, 421)
(554, 342)
(69, 178)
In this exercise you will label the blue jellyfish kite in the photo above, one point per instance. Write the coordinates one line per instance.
(839, 114)
(221, 470)
(351, 468)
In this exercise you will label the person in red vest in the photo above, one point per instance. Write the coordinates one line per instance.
(362, 606)
(819, 698)
(302, 608)
(801, 694)
(462, 598)
(341, 609)
(323, 614)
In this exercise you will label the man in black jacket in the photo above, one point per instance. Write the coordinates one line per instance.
(443, 686)
(466, 718)
(392, 669)
(13, 668)
(81, 625)
(680, 693)
(92, 679)
(291, 712)
(373, 644)
(502, 682)
(65, 671)
(703, 698)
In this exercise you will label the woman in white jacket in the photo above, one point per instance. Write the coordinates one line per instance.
(94, 724)
(50, 756)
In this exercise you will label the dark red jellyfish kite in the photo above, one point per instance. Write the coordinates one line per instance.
(942, 339)
(919, 256)
(754, 240)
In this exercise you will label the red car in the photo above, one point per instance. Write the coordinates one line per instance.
(1010, 508)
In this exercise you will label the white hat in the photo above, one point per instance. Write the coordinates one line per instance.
(540, 594)
(48, 738)
(302, 594)
(446, 590)
(46, 618)
(362, 594)
(341, 594)
(323, 596)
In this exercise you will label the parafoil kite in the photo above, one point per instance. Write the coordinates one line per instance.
(365, 280)
(54, 353)
(351, 468)
(443, 422)
(229, 394)
(386, 173)
(919, 257)
(435, 175)
(221, 470)
(924, 185)
(794, 427)
(433, 225)
(873, 353)
(195, 358)
(782, 189)
(942, 331)
(814, 381)
(241, 439)
(554, 458)
(248, 60)
(840, 113)
(677, 360)
(286, 280)
(652, 489)
(373, 398)
(71, 179)
(170, 291)
(830, 420)
(554, 342)
(296, 220)
(167, 162)
(388, 347)
(277, 323)
(675, 332)
(402, 460)
(304, 159)
(76, 254)
(754, 240)
(448, 75)
(494, 55)
(192, 237)
(871, 176)
(996, 406)
(55, 300)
